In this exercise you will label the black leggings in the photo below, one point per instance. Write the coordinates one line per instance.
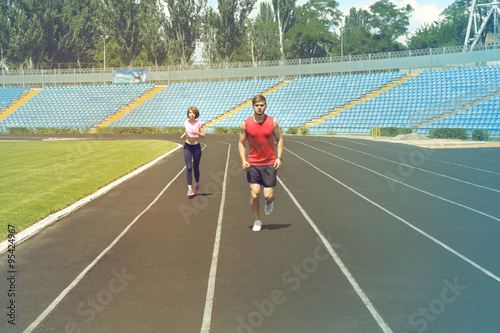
(192, 156)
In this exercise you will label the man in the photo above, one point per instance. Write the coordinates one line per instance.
(262, 163)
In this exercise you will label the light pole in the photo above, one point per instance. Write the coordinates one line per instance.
(105, 37)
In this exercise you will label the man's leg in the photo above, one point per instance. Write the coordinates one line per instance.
(254, 200)
(269, 197)
(269, 194)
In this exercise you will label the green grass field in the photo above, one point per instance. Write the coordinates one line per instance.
(38, 178)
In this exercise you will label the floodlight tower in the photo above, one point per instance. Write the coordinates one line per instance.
(492, 8)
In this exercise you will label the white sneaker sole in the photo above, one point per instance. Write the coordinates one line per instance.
(257, 226)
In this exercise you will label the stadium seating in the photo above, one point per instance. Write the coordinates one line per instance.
(76, 107)
(169, 107)
(10, 94)
(465, 97)
(395, 106)
(485, 115)
(305, 98)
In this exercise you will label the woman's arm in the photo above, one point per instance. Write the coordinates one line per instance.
(201, 132)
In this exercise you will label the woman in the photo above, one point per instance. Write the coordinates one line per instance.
(192, 149)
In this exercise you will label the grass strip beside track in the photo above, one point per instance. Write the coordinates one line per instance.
(39, 178)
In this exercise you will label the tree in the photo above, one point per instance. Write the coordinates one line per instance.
(208, 32)
(32, 31)
(389, 23)
(283, 12)
(427, 36)
(155, 37)
(312, 35)
(77, 31)
(185, 26)
(357, 38)
(230, 26)
(450, 30)
(456, 16)
(123, 21)
(263, 35)
(5, 31)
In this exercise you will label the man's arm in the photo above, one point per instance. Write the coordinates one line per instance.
(279, 148)
(241, 146)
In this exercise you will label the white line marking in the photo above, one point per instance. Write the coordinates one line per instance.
(73, 284)
(341, 265)
(433, 159)
(30, 231)
(404, 184)
(435, 240)
(411, 166)
(209, 301)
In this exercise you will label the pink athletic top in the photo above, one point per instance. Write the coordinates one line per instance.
(261, 141)
(191, 126)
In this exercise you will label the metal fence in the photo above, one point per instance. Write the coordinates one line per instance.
(412, 61)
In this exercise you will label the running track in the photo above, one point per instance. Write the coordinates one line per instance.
(366, 236)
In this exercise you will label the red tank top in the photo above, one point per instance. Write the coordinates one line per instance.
(261, 141)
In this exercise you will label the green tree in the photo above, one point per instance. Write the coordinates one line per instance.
(456, 16)
(388, 23)
(284, 15)
(155, 38)
(263, 35)
(185, 26)
(449, 30)
(32, 31)
(357, 38)
(230, 26)
(243, 53)
(5, 31)
(312, 35)
(208, 32)
(123, 21)
(77, 31)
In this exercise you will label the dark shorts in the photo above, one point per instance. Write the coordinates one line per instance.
(262, 174)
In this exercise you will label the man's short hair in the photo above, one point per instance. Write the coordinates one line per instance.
(258, 98)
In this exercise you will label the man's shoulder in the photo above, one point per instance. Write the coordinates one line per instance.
(269, 118)
(247, 121)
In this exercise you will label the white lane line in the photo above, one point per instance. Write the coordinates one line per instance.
(433, 159)
(35, 228)
(209, 301)
(404, 184)
(435, 240)
(411, 166)
(73, 284)
(341, 265)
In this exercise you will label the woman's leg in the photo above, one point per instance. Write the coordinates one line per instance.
(196, 162)
(188, 158)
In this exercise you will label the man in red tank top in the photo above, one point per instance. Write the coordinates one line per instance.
(263, 161)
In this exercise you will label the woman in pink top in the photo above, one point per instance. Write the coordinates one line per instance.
(192, 149)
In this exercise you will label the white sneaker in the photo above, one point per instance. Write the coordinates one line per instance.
(269, 208)
(257, 225)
